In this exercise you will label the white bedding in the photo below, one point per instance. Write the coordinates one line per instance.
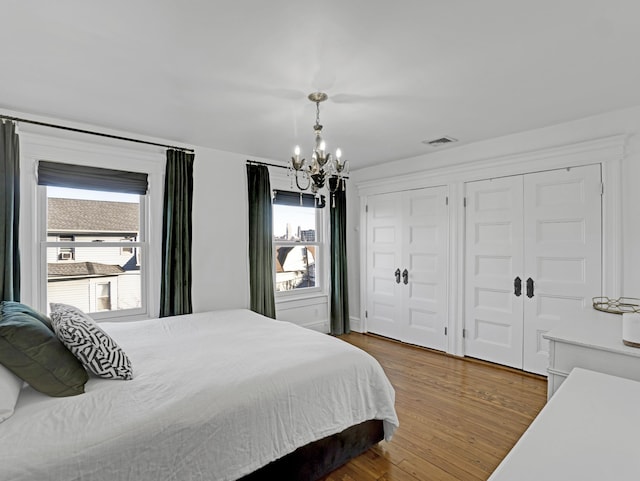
(215, 395)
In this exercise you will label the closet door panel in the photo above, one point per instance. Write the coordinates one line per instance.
(563, 233)
(384, 247)
(424, 257)
(493, 261)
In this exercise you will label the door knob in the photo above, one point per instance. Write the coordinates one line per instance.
(517, 287)
(405, 276)
(529, 288)
(397, 274)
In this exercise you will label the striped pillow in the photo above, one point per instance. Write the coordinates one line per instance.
(98, 352)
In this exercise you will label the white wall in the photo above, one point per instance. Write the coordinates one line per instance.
(623, 122)
(220, 231)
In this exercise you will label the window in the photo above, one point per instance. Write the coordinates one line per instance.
(298, 247)
(94, 247)
(103, 296)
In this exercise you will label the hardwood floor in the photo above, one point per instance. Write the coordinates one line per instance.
(458, 418)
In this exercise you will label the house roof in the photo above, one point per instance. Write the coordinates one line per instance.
(77, 215)
(82, 269)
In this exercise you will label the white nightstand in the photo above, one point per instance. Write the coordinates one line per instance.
(594, 344)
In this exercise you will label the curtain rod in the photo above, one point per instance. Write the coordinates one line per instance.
(91, 132)
(255, 162)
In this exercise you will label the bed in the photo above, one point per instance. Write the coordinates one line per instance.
(220, 395)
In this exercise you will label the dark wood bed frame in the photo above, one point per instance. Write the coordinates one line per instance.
(315, 460)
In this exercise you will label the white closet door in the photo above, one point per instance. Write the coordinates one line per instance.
(425, 239)
(563, 238)
(384, 257)
(407, 234)
(493, 261)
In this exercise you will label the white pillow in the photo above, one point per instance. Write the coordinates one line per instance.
(93, 347)
(10, 386)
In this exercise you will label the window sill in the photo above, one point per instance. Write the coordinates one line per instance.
(127, 315)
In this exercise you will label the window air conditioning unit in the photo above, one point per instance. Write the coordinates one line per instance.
(66, 256)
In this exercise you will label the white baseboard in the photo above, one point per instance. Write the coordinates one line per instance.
(356, 324)
(320, 326)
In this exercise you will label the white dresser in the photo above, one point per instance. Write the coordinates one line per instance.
(594, 344)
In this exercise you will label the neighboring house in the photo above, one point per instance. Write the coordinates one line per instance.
(295, 267)
(93, 278)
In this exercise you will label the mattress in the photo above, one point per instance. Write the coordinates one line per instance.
(215, 395)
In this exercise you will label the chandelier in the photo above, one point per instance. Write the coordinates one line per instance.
(324, 170)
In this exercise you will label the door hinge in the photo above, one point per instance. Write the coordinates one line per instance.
(464, 333)
(366, 208)
(445, 331)
(601, 188)
(446, 200)
(464, 201)
(366, 314)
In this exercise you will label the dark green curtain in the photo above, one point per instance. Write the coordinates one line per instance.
(175, 288)
(261, 285)
(339, 301)
(9, 212)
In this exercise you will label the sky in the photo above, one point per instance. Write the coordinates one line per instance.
(294, 215)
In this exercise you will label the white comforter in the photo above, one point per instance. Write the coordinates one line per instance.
(215, 395)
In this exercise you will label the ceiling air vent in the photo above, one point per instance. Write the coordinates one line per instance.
(440, 141)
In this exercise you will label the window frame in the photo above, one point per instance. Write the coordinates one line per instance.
(321, 262)
(96, 152)
(141, 244)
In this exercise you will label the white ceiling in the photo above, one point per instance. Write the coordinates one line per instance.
(234, 74)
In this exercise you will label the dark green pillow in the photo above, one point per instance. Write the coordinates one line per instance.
(30, 350)
(7, 307)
